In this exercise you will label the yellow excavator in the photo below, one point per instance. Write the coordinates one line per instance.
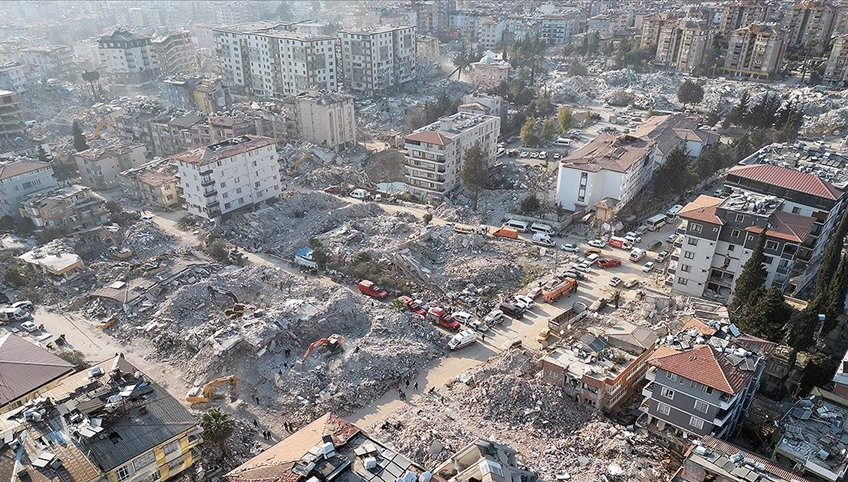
(207, 392)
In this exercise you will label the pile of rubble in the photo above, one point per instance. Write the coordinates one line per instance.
(504, 400)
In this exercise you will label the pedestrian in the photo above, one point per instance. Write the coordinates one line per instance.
(288, 352)
(281, 371)
(407, 384)
(415, 387)
(285, 364)
(255, 423)
(483, 336)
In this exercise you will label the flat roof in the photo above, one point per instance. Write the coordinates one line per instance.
(223, 150)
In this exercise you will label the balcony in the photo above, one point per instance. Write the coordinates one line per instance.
(210, 192)
(651, 374)
(726, 401)
(648, 391)
(207, 182)
(722, 418)
(213, 203)
(207, 172)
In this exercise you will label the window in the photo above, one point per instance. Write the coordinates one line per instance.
(671, 376)
(696, 422)
(740, 218)
(734, 233)
(696, 227)
(771, 245)
(144, 461)
(706, 389)
(701, 406)
(667, 393)
(692, 241)
(682, 281)
(689, 254)
(731, 247)
(796, 210)
(685, 268)
(171, 446)
(124, 472)
(487, 466)
(663, 409)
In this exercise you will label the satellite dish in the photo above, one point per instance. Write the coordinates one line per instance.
(221, 102)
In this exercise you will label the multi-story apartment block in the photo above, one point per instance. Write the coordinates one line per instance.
(53, 60)
(703, 380)
(19, 179)
(128, 59)
(379, 59)
(711, 459)
(836, 72)
(651, 25)
(99, 166)
(106, 436)
(196, 94)
(490, 32)
(558, 29)
(155, 182)
(683, 43)
(170, 135)
(434, 153)
(174, 53)
(268, 60)
(228, 176)
(15, 76)
(755, 51)
(740, 14)
(64, 209)
(489, 72)
(11, 120)
(323, 118)
(427, 47)
(607, 167)
(520, 28)
(810, 22)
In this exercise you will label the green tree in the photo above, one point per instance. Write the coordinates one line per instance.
(549, 130)
(319, 254)
(475, 170)
(673, 177)
(528, 133)
(216, 248)
(739, 112)
(690, 93)
(42, 154)
(830, 261)
(427, 218)
(13, 275)
(75, 358)
(285, 12)
(565, 119)
(752, 278)
(80, 143)
(835, 299)
(802, 333)
(767, 315)
(218, 427)
(7, 224)
(530, 204)
(818, 372)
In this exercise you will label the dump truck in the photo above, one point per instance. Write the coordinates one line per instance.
(368, 287)
(557, 291)
(505, 232)
(207, 392)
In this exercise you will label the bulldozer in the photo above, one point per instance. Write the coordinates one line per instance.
(333, 343)
(233, 312)
(207, 392)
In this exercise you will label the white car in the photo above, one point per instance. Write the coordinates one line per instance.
(534, 155)
(29, 326)
(630, 234)
(631, 283)
(615, 281)
(525, 302)
(478, 325)
(463, 317)
(569, 248)
(649, 266)
(494, 317)
(592, 258)
(24, 305)
(597, 243)
(523, 154)
(584, 267)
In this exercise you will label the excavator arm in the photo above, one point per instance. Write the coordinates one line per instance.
(314, 345)
(208, 392)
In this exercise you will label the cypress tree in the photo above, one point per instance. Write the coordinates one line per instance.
(753, 276)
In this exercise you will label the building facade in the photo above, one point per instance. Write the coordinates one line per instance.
(174, 53)
(488, 72)
(19, 179)
(323, 118)
(99, 166)
(810, 23)
(155, 183)
(682, 44)
(739, 14)
(755, 51)
(231, 175)
(11, 120)
(128, 59)
(14, 76)
(836, 72)
(434, 153)
(377, 60)
(64, 209)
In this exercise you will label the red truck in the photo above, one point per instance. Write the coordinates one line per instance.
(412, 305)
(440, 317)
(608, 263)
(368, 287)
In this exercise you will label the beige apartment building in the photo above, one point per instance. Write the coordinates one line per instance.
(174, 53)
(99, 166)
(836, 72)
(155, 182)
(755, 51)
(379, 59)
(323, 118)
(682, 44)
(810, 20)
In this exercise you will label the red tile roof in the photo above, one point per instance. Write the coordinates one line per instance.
(25, 367)
(788, 227)
(430, 137)
(702, 365)
(702, 209)
(700, 326)
(788, 178)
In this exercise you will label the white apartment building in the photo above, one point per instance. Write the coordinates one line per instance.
(377, 60)
(15, 76)
(490, 32)
(607, 167)
(228, 176)
(127, 58)
(324, 118)
(755, 51)
(42, 62)
(19, 179)
(558, 29)
(175, 53)
(434, 153)
(267, 60)
(99, 166)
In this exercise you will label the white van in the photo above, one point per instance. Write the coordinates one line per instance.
(542, 228)
(671, 214)
(654, 223)
(14, 314)
(517, 225)
(462, 339)
(541, 237)
(562, 142)
(637, 254)
(359, 193)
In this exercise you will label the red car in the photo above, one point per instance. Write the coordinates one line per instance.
(371, 289)
(440, 317)
(412, 305)
(608, 263)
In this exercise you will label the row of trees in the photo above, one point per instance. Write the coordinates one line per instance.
(769, 113)
(551, 127)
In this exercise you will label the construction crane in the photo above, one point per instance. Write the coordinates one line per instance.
(333, 343)
(207, 392)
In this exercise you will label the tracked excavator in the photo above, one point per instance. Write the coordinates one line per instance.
(333, 343)
(207, 392)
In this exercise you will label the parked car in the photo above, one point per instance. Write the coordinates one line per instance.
(463, 317)
(525, 302)
(548, 243)
(662, 256)
(649, 266)
(609, 263)
(597, 243)
(24, 305)
(671, 238)
(573, 274)
(591, 251)
(637, 238)
(615, 281)
(495, 317)
(569, 248)
(631, 283)
(584, 267)
(592, 258)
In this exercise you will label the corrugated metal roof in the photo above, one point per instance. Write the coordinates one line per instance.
(788, 178)
(25, 367)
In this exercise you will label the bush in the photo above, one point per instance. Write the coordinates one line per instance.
(74, 357)
(427, 218)
(14, 276)
(217, 250)
(530, 204)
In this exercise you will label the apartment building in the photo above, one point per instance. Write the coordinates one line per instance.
(489, 72)
(107, 433)
(434, 153)
(64, 209)
(558, 29)
(48, 61)
(607, 167)
(683, 43)
(602, 371)
(836, 72)
(810, 21)
(99, 166)
(269, 60)
(755, 51)
(198, 94)
(18, 179)
(155, 183)
(739, 14)
(711, 459)
(377, 60)
(490, 32)
(174, 53)
(673, 131)
(11, 120)
(228, 176)
(15, 76)
(483, 461)
(323, 118)
(427, 47)
(702, 380)
(651, 26)
(127, 59)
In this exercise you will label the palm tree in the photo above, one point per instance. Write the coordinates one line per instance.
(91, 77)
(217, 427)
